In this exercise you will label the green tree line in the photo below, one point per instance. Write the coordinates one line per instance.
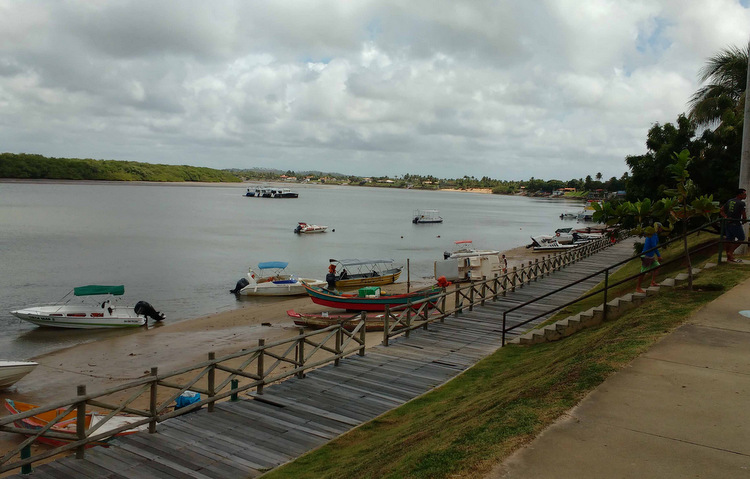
(29, 166)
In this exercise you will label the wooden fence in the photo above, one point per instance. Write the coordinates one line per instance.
(225, 377)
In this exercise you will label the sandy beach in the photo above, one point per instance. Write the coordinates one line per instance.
(106, 363)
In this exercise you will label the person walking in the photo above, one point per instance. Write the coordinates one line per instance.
(651, 258)
(734, 232)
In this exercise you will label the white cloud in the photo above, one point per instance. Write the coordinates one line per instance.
(508, 89)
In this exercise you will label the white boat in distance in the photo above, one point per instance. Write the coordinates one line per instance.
(465, 249)
(426, 217)
(89, 314)
(276, 284)
(12, 371)
(304, 228)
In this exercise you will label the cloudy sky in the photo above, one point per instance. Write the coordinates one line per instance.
(508, 89)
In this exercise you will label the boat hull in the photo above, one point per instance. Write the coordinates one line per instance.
(352, 302)
(67, 423)
(81, 317)
(360, 281)
(12, 371)
(320, 321)
(280, 288)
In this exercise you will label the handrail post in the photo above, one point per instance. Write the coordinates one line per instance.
(338, 344)
(235, 383)
(484, 288)
(301, 353)
(505, 313)
(471, 295)
(81, 422)
(211, 380)
(25, 454)
(386, 324)
(515, 278)
(152, 400)
(444, 300)
(456, 312)
(606, 289)
(408, 318)
(261, 366)
(362, 332)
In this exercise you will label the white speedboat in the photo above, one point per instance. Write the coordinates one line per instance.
(304, 228)
(276, 284)
(465, 249)
(89, 314)
(12, 371)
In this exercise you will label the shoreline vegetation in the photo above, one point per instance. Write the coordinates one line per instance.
(23, 166)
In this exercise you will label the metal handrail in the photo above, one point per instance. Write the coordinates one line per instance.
(606, 272)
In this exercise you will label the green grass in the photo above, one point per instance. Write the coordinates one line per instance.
(466, 426)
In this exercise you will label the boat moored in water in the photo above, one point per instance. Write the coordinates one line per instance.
(304, 228)
(105, 313)
(278, 283)
(426, 217)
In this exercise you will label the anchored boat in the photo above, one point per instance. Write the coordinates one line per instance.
(278, 283)
(355, 273)
(368, 298)
(426, 217)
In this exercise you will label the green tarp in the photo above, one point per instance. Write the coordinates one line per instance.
(94, 289)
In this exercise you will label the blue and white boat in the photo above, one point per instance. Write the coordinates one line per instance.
(278, 283)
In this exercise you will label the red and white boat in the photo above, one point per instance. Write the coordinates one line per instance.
(304, 228)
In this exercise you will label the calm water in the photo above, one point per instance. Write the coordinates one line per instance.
(182, 248)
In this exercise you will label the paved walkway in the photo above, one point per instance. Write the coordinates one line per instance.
(680, 410)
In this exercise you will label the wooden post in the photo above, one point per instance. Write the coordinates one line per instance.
(471, 295)
(301, 354)
(261, 367)
(363, 333)
(338, 344)
(25, 454)
(81, 422)
(408, 318)
(211, 380)
(456, 311)
(408, 276)
(386, 324)
(235, 384)
(484, 288)
(515, 277)
(536, 270)
(444, 300)
(152, 400)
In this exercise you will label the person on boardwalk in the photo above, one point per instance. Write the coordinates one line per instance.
(650, 258)
(734, 210)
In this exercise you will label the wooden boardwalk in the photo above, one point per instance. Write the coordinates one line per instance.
(253, 435)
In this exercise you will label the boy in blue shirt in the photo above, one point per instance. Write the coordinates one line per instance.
(650, 259)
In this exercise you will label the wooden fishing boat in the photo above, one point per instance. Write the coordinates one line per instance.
(68, 423)
(373, 322)
(356, 273)
(13, 371)
(367, 299)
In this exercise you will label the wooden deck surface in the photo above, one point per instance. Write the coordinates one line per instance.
(257, 433)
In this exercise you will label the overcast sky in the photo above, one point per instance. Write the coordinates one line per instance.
(505, 89)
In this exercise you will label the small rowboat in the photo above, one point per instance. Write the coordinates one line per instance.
(323, 320)
(68, 423)
(368, 302)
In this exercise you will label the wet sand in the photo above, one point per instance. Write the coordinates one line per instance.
(104, 364)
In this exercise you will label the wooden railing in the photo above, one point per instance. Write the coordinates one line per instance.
(215, 379)
(227, 376)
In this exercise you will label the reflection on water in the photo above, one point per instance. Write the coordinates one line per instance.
(183, 248)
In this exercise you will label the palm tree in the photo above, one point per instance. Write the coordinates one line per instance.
(724, 78)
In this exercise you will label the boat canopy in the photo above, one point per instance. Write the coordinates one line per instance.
(357, 262)
(95, 289)
(273, 265)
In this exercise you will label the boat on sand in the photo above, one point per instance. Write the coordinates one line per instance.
(12, 371)
(278, 283)
(349, 274)
(368, 298)
(90, 314)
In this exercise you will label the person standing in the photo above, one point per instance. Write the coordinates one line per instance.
(651, 258)
(734, 232)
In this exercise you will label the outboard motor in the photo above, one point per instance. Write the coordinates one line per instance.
(240, 284)
(144, 308)
(446, 254)
(298, 229)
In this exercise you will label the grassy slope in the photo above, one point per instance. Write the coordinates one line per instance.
(466, 426)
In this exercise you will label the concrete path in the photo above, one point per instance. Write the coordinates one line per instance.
(680, 410)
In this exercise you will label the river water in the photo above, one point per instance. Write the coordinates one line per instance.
(183, 247)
